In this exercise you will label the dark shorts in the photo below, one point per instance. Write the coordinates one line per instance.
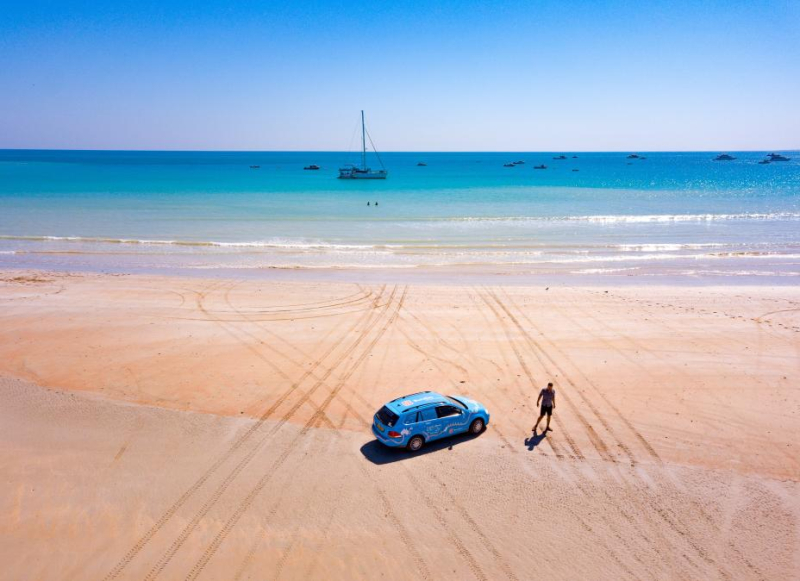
(547, 409)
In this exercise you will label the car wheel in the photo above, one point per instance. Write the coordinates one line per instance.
(477, 426)
(416, 443)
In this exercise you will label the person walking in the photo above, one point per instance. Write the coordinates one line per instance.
(548, 399)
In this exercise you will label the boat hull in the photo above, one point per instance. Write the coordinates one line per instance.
(363, 175)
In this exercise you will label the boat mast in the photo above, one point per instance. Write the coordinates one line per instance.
(363, 144)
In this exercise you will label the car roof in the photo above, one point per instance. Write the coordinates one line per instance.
(415, 401)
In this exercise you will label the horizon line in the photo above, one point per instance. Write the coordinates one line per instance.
(131, 150)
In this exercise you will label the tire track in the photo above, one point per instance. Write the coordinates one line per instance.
(642, 440)
(286, 318)
(292, 346)
(420, 564)
(278, 569)
(636, 346)
(402, 531)
(472, 563)
(487, 543)
(145, 539)
(588, 402)
(467, 518)
(264, 312)
(597, 442)
(319, 414)
(261, 342)
(360, 294)
(415, 346)
(197, 569)
(525, 397)
(675, 525)
(529, 374)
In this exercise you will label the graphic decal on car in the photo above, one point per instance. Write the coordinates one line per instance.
(450, 428)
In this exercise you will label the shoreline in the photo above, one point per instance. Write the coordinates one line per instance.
(450, 275)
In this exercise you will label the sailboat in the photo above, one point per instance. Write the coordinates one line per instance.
(362, 172)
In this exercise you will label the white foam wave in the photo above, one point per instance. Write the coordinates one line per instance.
(603, 270)
(668, 247)
(633, 218)
(295, 266)
(738, 273)
(670, 256)
(277, 243)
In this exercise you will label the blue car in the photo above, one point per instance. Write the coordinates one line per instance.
(415, 419)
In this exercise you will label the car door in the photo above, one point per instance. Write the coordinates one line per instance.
(411, 423)
(452, 420)
(429, 424)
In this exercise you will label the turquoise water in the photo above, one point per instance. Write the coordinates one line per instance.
(671, 213)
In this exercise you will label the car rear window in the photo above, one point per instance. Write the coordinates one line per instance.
(387, 416)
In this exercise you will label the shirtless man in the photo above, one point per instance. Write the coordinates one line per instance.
(548, 398)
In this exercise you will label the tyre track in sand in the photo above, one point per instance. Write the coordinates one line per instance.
(211, 502)
(275, 572)
(263, 314)
(477, 302)
(635, 345)
(599, 447)
(665, 514)
(211, 550)
(461, 547)
(628, 452)
(260, 325)
(329, 519)
(549, 365)
(225, 456)
(463, 513)
(471, 523)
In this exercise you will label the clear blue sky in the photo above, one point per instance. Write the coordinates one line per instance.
(509, 75)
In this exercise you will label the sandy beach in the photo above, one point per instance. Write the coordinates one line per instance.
(188, 428)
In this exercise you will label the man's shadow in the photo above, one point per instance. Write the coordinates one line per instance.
(535, 440)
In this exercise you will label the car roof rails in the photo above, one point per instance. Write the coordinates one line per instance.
(410, 395)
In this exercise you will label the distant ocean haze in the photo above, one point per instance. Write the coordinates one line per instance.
(668, 214)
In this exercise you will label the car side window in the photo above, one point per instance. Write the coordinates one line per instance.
(411, 418)
(427, 414)
(445, 411)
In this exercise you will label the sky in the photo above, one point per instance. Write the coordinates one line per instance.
(432, 76)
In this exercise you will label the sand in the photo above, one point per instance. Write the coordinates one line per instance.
(187, 428)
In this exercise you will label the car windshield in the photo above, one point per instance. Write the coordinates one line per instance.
(387, 416)
(457, 402)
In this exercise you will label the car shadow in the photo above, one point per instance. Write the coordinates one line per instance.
(377, 453)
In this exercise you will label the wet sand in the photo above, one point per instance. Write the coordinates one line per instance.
(180, 428)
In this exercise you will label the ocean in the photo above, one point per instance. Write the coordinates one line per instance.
(658, 215)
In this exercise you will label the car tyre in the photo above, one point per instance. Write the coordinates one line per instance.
(477, 426)
(415, 443)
